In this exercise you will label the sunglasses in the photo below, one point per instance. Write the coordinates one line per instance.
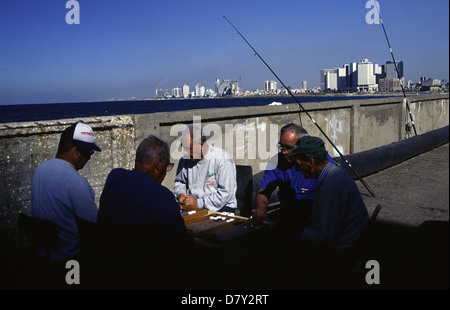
(85, 152)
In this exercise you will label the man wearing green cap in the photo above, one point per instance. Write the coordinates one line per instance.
(339, 213)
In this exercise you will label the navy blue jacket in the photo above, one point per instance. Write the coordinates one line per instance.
(339, 212)
(132, 199)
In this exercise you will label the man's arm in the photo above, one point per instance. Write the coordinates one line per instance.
(261, 203)
(83, 197)
(179, 187)
(268, 184)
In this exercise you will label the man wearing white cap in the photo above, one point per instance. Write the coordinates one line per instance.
(59, 192)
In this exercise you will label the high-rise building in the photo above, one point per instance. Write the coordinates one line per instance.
(351, 76)
(185, 91)
(390, 71)
(366, 77)
(176, 92)
(304, 85)
(270, 86)
(235, 90)
(354, 76)
(388, 80)
(199, 90)
(332, 79)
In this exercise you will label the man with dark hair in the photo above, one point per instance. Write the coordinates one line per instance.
(296, 191)
(59, 192)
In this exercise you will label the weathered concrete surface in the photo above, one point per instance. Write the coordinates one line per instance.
(412, 228)
(412, 192)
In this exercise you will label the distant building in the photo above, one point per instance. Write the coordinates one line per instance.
(391, 72)
(270, 86)
(366, 77)
(199, 90)
(356, 76)
(163, 93)
(390, 84)
(176, 92)
(185, 91)
(223, 87)
(388, 80)
(333, 79)
(210, 93)
(329, 79)
(351, 80)
(235, 90)
(431, 82)
(304, 85)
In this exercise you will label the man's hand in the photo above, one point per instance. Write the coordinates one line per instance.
(260, 212)
(188, 202)
(181, 199)
(259, 215)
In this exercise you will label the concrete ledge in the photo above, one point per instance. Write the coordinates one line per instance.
(377, 159)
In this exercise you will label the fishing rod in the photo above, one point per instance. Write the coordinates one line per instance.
(304, 110)
(396, 69)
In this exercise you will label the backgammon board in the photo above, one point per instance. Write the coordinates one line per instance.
(217, 227)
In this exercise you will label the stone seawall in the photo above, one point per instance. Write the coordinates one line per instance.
(250, 135)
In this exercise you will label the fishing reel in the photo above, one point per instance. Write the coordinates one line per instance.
(408, 128)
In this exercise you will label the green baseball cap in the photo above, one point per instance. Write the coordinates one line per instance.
(307, 145)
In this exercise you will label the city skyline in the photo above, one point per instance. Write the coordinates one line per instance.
(126, 49)
(361, 76)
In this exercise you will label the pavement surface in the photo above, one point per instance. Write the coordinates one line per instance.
(412, 192)
(411, 241)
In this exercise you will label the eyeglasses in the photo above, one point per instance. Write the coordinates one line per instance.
(287, 148)
(169, 167)
(85, 152)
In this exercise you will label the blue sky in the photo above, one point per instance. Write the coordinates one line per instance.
(128, 48)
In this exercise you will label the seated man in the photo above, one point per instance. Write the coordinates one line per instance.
(296, 192)
(148, 234)
(206, 175)
(136, 200)
(339, 212)
(59, 192)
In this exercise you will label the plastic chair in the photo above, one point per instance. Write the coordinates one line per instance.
(244, 191)
(39, 232)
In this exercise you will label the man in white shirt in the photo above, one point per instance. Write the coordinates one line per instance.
(206, 175)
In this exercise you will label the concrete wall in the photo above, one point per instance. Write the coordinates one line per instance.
(249, 134)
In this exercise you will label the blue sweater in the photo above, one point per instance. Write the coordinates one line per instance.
(339, 212)
(293, 186)
(58, 193)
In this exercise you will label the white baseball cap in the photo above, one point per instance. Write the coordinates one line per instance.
(83, 136)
